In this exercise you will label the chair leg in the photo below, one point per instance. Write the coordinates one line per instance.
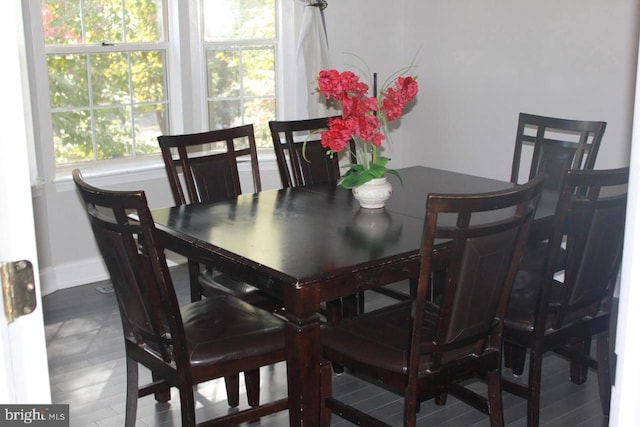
(194, 284)
(494, 398)
(252, 383)
(187, 406)
(410, 407)
(514, 358)
(578, 371)
(350, 305)
(334, 315)
(232, 384)
(535, 379)
(334, 311)
(132, 393)
(604, 371)
(361, 302)
(163, 396)
(413, 286)
(325, 392)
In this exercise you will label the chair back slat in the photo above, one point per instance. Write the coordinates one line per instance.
(203, 167)
(557, 145)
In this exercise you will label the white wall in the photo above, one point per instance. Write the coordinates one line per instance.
(480, 63)
(483, 62)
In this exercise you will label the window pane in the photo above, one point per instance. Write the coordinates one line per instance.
(260, 112)
(150, 121)
(68, 81)
(147, 76)
(72, 136)
(223, 69)
(239, 19)
(224, 114)
(110, 78)
(221, 19)
(259, 75)
(258, 19)
(103, 21)
(114, 133)
(144, 20)
(61, 22)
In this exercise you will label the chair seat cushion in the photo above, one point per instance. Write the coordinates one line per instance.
(381, 339)
(521, 311)
(223, 328)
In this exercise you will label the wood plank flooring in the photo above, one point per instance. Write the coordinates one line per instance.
(87, 370)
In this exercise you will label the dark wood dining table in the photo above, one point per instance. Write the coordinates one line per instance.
(313, 244)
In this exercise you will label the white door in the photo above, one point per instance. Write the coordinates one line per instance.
(24, 375)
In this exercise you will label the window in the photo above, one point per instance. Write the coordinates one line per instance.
(111, 74)
(240, 44)
(106, 63)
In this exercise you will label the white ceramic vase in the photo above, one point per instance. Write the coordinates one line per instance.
(373, 194)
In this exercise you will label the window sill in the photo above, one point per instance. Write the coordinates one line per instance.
(115, 172)
(112, 172)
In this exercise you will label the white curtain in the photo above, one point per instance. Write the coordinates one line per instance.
(312, 55)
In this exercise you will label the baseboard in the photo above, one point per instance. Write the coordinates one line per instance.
(81, 273)
(72, 274)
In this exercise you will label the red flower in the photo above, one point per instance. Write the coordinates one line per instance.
(395, 99)
(340, 86)
(337, 136)
(359, 112)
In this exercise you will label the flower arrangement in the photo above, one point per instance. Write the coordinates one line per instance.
(365, 119)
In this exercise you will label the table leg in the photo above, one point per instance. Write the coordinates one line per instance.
(303, 370)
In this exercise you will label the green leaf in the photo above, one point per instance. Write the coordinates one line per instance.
(395, 173)
(382, 161)
(355, 180)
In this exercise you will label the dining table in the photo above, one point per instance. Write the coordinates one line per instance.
(313, 244)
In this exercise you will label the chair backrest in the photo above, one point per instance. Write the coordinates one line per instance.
(208, 163)
(590, 218)
(303, 168)
(557, 145)
(486, 233)
(136, 263)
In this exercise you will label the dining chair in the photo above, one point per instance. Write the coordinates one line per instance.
(421, 349)
(563, 314)
(216, 337)
(303, 161)
(203, 168)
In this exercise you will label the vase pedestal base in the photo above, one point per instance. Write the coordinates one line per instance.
(373, 194)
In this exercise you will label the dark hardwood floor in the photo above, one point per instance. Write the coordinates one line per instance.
(87, 370)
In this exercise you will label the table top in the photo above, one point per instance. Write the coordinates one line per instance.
(310, 234)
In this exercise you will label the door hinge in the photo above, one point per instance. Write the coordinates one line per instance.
(18, 289)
